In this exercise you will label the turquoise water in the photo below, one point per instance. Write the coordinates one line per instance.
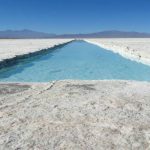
(77, 60)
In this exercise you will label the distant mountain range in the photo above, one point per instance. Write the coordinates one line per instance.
(108, 34)
(29, 34)
(22, 34)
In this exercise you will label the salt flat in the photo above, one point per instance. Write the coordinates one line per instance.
(75, 115)
(10, 48)
(134, 48)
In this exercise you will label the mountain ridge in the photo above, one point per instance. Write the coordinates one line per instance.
(29, 34)
(25, 33)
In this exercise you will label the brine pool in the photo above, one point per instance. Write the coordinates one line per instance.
(76, 60)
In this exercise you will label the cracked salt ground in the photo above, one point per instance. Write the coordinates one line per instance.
(75, 115)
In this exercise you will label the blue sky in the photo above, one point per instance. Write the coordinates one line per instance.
(75, 16)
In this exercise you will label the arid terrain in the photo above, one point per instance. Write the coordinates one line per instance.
(75, 114)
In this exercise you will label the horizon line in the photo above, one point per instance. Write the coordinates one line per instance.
(75, 33)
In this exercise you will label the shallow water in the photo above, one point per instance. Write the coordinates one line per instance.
(77, 60)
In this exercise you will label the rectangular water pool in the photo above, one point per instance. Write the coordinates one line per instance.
(77, 60)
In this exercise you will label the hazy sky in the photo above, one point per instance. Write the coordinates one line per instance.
(75, 16)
